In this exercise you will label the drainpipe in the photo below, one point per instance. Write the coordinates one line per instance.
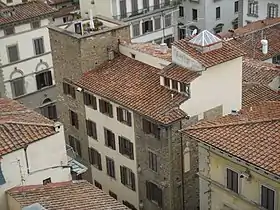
(182, 169)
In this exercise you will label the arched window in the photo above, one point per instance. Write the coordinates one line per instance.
(17, 83)
(47, 100)
(218, 28)
(48, 109)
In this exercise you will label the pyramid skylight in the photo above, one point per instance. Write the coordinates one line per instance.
(205, 38)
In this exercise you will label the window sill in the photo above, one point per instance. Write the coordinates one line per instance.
(129, 187)
(253, 15)
(95, 139)
(109, 147)
(127, 156)
(107, 114)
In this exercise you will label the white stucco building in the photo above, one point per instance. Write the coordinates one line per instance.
(26, 67)
(32, 149)
(257, 10)
(149, 20)
(212, 15)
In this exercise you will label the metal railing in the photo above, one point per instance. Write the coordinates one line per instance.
(145, 10)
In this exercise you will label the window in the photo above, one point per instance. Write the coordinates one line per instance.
(183, 87)
(75, 144)
(49, 109)
(47, 181)
(153, 161)
(156, 4)
(166, 2)
(267, 198)
(123, 8)
(9, 30)
(252, 8)
(95, 158)
(151, 128)
(174, 85)
(44, 79)
(276, 59)
(129, 205)
(168, 41)
(218, 12)
(124, 116)
(127, 177)
(105, 108)
(114, 195)
(110, 167)
(74, 119)
(181, 11)
(126, 147)
(109, 139)
(136, 29)
(97, 184)
(272, 10)
(146, 4)
(39, 46)
(167, 82)
(167, 20)
(69, 90)
(91, 129)
(134, 7)
(90, 100)
(157, 23)
(194, 14)
(147, 26)
(35, 24)
(154, 193)
(18, 87)
(13, 53)
(232, 180)
(236, 6)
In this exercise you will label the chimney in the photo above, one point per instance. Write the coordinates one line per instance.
(163, 48)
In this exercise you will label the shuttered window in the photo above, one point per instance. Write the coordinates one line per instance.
(90, 100)
(74, 119)
(127, 177)
(91, 129)
(44, 79)
(75, 144)
(18, 87)
(267, 198)
(105, 107)
(124, 116)
(154, 193)
(95, 158)
(110, 167)
(39, 46)
(152, 161)
(232, 180)
(126, 147)
(13, 54)
(69, 90)
(109, 139)
(151, 128)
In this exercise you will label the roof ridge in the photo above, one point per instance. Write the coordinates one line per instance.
(194, 127)
(15, 112)
(26, 123)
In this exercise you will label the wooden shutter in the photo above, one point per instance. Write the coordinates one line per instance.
(122, 175)
(94, 104)
(148, 190)
(131, 151)
(70, 117)
(119, 114)
(78, 147)
(235, 182)
(88, 127)
(264, 197)
(110, 109)
(132, 176)
(94, 131)
(159, 197)
(121, 145)
(101, 106)
(99, 161)
(146, 126)
(128, 118)
(106, 136)
(76, 121)
(113, 141)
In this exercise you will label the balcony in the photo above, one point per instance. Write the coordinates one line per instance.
(146, 10)
(77, 164)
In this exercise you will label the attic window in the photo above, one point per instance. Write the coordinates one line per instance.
(183, 87)
(47, 181)
(174, 85)
(132, 55)
(167, 82)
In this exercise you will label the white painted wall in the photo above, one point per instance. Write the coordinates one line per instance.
(28, 62)
(119, 129)
(218, 85)
(14, 2)
(262, 10)
(42, 154)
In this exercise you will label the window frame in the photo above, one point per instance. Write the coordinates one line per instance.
(236, 7)
(76, 146)
(124, 113)
(69, 89)
(110, 169)
(45, 74)
(71, 114)
(174, 87)
(97, 184)
(136, 29)
(157, 24)
(47, 106)
(218, 13)
(151, 193)
(272, 189)
(12, 31)
(167, 20)
(110, 143)
(8, 54)
(153, 129)
(93, 153)
(238, 180)
(124, 150)
(113, 195)
(154, 164)
(106, 108)
(193, 17)
(128, 178)
(43, 46)
(32, 24)
(181, 11)
(90, 100)
(91, 129)
(22, 79)
(166, 84)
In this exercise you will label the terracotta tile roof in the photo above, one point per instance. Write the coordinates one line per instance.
(252, 135)
(71, 195)
(54, 2)
(179, 73)
(135, 85)
(66, 11)
(253, 93)
(259, 72)
(207, 59)
(149, 48)
(25, 11)
(20, 126)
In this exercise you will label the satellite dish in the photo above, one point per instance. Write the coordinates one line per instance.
(194, 32)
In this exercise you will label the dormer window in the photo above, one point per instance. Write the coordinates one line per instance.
(183, 87)
(167, 82)
(174, 85)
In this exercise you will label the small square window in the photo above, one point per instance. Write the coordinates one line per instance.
(35, 24)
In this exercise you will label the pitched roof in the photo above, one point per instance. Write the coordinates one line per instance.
(205, 38)
(135, 85)
(66, 11)
(179, 73)
(24, 12)
(252, 135)
(211, 58)
(257, 71)
(253, 93)
(54, 2)
(71, 195)
(20, 126)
